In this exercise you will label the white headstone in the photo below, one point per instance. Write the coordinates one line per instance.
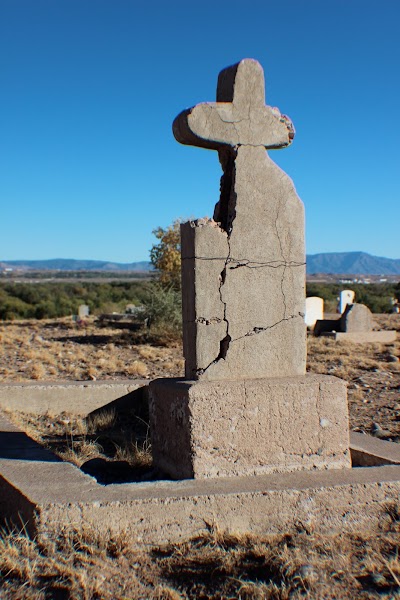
(346, 297)
(314, 310)
(83, 311)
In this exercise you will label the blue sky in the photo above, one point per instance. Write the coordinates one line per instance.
(89, 90)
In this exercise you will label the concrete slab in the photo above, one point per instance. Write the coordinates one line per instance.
(74, 397)
(367, 451)
(358, 337)
(47, 495)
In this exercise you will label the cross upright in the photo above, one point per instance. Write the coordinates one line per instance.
(243, 272)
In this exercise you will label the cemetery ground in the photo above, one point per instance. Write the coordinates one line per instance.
(86, 564)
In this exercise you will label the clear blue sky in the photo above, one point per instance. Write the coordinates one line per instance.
(89, 89)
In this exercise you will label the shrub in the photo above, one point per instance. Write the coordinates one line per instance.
(166, 255)
(163, 309)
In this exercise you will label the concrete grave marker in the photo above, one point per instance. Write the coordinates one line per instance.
(83, 311)
(314, 310)
(346, 297)
(249, 261)
(356, 318)
(246, 406)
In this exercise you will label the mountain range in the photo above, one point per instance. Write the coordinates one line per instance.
(71, 264)
(351, 263)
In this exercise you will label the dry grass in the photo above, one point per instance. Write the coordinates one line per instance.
(373, 373)
(105, 435)
(216, 565)
(59, 349)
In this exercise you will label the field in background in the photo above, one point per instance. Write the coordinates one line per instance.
(49, 350)
(45, 299)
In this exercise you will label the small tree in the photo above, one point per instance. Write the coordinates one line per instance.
(166, 255)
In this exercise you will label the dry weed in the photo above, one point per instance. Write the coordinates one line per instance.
(36, 371)
(137, 368)
(82, 565)
(135, 455)
(78, 452)
(148, 352)
(101, 420)
(104, 434)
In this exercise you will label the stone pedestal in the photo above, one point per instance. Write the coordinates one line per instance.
(206, 429)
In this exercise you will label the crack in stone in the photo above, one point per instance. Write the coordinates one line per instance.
(283, 257)
(224, 343)
(257, 330)
(273, 264)
(232, 121)
(250, 264)
(225, 213)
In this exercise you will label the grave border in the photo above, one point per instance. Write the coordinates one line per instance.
(46, 494)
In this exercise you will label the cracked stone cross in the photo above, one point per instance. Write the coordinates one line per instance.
(246, 405)
(243, 272)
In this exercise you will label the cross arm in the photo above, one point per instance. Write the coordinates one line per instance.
(239, 117)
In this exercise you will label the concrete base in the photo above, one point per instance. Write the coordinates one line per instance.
(46, 494)
(233, 428)
(73, 397)
(358, 337)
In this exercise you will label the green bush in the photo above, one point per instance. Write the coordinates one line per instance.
(59, 299)
(163, 309)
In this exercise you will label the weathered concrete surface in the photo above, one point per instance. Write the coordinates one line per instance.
(384, 336)
(47, 495)
(75, 397)
(367, 451)
(243, 273)
(232, 428)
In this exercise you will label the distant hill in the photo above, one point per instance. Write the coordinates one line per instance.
(351, 263)
(70, 264)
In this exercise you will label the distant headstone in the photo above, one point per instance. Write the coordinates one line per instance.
(314, 310)
(356, 318)
(354, 325)
(83, 311)
(246, 406)
(346, 297)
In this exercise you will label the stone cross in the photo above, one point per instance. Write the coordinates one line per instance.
(243, 272)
